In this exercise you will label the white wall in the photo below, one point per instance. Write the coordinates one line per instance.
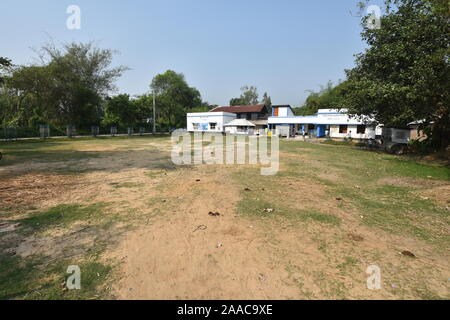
(205, 118)
(352, 132)
(285, 112)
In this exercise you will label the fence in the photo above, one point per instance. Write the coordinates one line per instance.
(45, 131)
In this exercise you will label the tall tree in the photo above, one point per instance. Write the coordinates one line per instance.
(404, 75)
(267, 100)
(66, 88)
(174, 98)
(249, 96)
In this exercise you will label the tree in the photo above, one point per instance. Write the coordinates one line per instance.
(174, 98)
(267, 100)
(67, 87)
(329, 97)
(249, 96)
(404, 75)
(5, 65)
(121, 111)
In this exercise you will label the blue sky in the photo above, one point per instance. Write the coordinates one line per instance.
(282, 47)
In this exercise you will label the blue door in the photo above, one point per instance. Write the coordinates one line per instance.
(321, 131)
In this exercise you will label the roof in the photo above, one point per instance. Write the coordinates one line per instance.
(209, 114)
(239, 123)
(259, 122)
(240, 109)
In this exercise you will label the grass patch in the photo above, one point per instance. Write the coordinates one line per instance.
(127, 185)
(64, 214)
(28, 280)
(40, 276)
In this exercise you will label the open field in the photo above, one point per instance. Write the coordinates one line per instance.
(120, 209)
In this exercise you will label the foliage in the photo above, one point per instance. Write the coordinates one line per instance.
(249, 96)
(174, 98)
(67, 87)
(267, 101)
(329, 97)
(404, 75)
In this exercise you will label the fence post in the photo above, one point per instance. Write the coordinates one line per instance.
(71, 131)
(95, 130)
(44, 131)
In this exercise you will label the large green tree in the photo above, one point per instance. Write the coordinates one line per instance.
(174, 98)
(404, 74)
(67, 87)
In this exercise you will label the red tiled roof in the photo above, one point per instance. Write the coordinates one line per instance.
(240, 109)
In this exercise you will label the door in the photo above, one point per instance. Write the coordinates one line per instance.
(276, 112)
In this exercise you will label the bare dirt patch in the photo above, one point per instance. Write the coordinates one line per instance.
(33, 189)
(173, 259)
(409, 182)
(440, 194)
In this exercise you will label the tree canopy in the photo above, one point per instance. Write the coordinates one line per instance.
(174, 98)
(404, 75)
(329, 97)
(67, 87)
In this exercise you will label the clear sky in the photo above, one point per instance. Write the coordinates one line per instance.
(284, 47)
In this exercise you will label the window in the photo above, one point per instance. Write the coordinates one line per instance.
(361, 129)
(196, 126)
(343, 129)
(212, 126)
(249, 116)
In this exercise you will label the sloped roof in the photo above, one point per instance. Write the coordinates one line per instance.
(241, 109)
(239, 123)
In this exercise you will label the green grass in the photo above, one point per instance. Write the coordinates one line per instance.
(64, 149)
(63, 215)
(357, 175)
(41, 277)
(27, 279)
(126, 185)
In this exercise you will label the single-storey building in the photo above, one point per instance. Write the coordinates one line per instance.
(256, 114)
(331, 123)
(240, 126)
(208, 121)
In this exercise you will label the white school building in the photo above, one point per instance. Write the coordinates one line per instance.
(209, 121)
(331, 123)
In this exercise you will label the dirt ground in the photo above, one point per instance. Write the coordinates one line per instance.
(174, 249)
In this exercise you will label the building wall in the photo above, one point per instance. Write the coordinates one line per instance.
(205, 119)
(352, 131)
(238, 130)
(417, 134)
(285, 112)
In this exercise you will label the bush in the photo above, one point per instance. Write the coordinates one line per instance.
(420, 147)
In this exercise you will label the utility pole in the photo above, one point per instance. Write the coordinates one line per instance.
(154, 113)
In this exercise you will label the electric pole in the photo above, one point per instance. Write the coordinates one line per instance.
(154, 113)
